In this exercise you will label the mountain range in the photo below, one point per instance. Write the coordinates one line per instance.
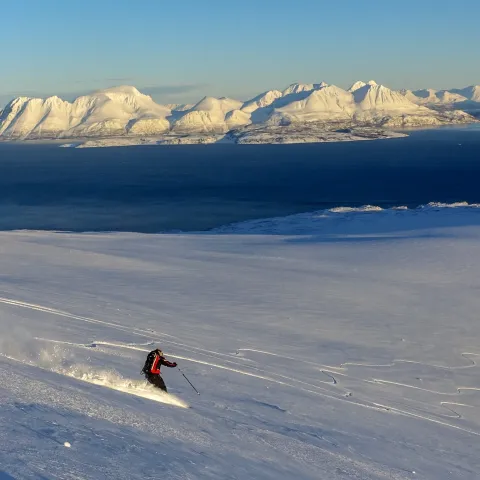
(461, 97)
(124, 111)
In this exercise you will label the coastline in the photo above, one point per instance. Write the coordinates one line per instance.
(318, 222)
(257, 135)
(260, 136)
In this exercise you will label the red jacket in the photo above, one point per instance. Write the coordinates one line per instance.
(158, 362)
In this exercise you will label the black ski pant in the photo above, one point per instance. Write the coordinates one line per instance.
(157, 381)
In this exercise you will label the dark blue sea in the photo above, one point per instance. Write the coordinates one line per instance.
(198, 187)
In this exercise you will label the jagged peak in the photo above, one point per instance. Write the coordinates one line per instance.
(207, 102)
(17, 100)
(372, 97)
(54, 99)
(356, 86)
(303, 87)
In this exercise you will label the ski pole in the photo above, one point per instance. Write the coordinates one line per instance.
(184, 376)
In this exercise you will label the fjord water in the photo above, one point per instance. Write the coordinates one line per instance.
(198, 187)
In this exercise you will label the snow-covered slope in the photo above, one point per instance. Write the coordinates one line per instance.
(208, 115)
(327, 103)
(237, 118)
(337, 345)
(221, 105)
(24, 116)
(373, 97)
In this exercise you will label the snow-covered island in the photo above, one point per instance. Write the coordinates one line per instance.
(301, 113)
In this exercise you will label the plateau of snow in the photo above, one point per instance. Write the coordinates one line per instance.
(125, 112)
(341, 344)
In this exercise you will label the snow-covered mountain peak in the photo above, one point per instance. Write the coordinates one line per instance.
(329, 102)
(15, 102)
(378, 97)
(360, 84)
(263, 100)
(303, 87)
(208, 115)
(217, 105)
(356, 86)
(126, 94)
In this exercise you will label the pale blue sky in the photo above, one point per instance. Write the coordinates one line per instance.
(186, 49)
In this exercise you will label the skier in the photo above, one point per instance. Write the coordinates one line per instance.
(151, 369)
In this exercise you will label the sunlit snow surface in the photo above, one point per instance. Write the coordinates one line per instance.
(336, 345)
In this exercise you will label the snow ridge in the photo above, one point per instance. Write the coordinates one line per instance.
(315, 222)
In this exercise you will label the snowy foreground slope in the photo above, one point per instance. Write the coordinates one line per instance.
(336, 345)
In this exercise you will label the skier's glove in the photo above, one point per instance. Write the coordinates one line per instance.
(174, 364)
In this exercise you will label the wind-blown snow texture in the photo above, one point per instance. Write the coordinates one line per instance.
(336, 345)
(124, 111)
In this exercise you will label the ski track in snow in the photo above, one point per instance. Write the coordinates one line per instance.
(312, 389)
(112, 381)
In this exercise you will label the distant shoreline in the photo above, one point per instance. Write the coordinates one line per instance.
(259, 136)
(265, 137)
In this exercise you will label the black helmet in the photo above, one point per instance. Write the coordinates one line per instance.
(159, 351)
